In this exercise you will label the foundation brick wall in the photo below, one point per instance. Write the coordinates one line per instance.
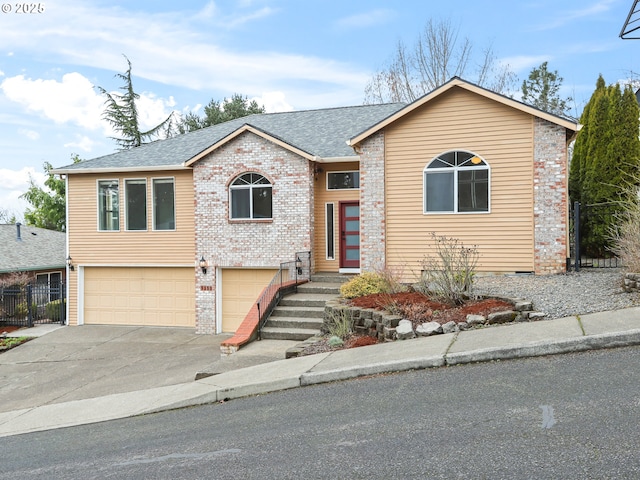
(550, 197)
(372, 204)
(243, 243)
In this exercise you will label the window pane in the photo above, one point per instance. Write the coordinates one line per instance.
(473, 191)
(352, 240)
(163, 205)
(352, 211)
(240, 206)
(439, 192)
(330, 232)
(136, 195)
(108, 205)
(343, 180)
(261, 202)
(352, 225)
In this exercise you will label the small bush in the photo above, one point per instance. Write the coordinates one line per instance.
(448, 276)
(367, 283)
(54, 310)
(21, 310)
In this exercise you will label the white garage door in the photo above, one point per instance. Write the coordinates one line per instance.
(139, 296)
(240, 290)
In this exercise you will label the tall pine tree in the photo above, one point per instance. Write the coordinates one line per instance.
(605, 160)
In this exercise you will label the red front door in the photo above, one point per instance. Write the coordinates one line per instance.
(349, 235)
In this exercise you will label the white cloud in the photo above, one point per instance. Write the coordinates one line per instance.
(366, 19)
(30, 134)
(524, 63)
(71, 100)
(14, 184)
(273, 102)
(562, 18)
(153, 110)
(83, 142)
(174, 50)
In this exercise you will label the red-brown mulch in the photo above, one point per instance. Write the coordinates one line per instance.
(419, 308)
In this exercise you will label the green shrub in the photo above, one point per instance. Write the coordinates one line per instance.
(54, 310)
(22, 309)
(367, 283)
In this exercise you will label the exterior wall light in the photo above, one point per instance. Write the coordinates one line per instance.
(203, 265)
(70, 263)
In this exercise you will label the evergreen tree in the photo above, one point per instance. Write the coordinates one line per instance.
(605, 162)
(219, 112)
(541, 90)
(121, 112)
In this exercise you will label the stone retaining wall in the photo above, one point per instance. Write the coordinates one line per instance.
(631, 282)
(387, 327)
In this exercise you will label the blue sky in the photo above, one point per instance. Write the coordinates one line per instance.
(287, 54)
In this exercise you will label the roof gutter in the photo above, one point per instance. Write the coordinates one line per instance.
(162, 168)
(353, 158)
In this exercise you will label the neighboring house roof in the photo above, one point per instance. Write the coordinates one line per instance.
(570, 125)
(35, 249)
(315, 134)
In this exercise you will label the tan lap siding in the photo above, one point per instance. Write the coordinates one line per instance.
(240, 290)
(461, 120)
(322, 197)
(88, 245)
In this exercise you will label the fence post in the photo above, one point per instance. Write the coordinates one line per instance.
(29, 301)
(576, 235)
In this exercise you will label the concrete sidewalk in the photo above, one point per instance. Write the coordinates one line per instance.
(571, 334)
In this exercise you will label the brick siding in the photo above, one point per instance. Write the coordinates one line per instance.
(372, 204)
(228, 243)
(550, 197)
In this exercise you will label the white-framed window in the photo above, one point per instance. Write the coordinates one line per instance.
(108, 205)
(457, 182)
(135, 199)
(48, 287)
(343, 180)
(250, 197)
(330, 231)
(164, 203)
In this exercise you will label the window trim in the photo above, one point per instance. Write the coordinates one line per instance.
(455, 170)
(98, 181)
(153, 205)
(250, 187)
(333, 172)
(126, 205)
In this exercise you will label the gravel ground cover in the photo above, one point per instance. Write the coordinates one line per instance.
(563, 295)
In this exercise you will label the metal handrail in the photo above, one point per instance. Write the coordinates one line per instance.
(290, 273)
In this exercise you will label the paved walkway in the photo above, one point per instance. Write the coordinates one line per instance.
(79, 375)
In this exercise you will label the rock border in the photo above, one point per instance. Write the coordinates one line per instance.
(387, 327)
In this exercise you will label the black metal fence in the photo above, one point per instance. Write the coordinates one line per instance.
(34, 303)
(590, 243)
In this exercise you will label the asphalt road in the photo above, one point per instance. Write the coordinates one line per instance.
(562, 417)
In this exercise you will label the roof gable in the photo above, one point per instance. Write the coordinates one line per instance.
(457, 82)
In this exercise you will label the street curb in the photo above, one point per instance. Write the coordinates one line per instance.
(536, 349)
(313, 378)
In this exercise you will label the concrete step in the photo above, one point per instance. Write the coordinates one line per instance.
(306, 299)
(299, 334)
(328, 277)
(294, 322)
(320, 287)
(300, 312)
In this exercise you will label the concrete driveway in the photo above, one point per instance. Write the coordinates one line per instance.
(74, 363)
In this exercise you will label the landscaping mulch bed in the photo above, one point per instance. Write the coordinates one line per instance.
(419, 308)
(413, 306)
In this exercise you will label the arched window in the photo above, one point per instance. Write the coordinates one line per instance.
(250, 197)
(456, 182)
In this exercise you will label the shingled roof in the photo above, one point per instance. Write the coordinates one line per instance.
(35, 249)
(320, 133)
